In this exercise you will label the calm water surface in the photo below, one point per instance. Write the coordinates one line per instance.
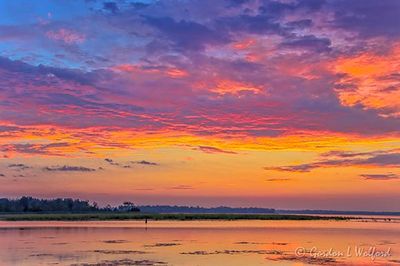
(200, 243)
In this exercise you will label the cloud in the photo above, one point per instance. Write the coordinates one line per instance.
(144, 189)
(301, 24)
(368, 18)
(380, 176)
(277, 179)
(302, 168)
(46, 72)
(308, 42)
(258, 24)
(187, 35)
(110, 161)
(19, 166)
(111, 7)
(241, 69)
(9, 129)
(389, 158)
(68, 168)
(368, 79)
(349, 154)
(209, 149)
(181, 187)
(54, 149)
(79, 99)
(143, 162)
(67, 36)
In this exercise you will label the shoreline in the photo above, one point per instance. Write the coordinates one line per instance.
(162, 217)
(199, 224)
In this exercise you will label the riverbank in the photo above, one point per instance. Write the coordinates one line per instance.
(157, 217)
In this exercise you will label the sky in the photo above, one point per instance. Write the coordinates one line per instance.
(288, 104)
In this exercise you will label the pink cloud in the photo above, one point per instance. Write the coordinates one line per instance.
(67, 36)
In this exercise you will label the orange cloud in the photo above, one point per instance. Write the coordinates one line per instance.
(234, 87)
(50, 140)
(371, 79)
(169, 71)
(255, 49)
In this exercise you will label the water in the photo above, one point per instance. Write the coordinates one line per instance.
(199, 243)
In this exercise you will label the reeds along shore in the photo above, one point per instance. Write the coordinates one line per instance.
(157, 216)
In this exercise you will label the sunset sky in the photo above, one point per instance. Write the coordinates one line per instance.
(284, 104)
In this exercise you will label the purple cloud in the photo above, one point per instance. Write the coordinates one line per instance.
(187, 35)
(18, 166)
(226, 68)
(68, 168)
(310, 42)
(144, 162)
(380, 176)
(389, 158)
(29, 148)
(209, 149)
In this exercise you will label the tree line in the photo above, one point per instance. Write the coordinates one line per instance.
(30, 204)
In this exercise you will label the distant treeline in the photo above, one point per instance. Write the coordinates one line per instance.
(30, 204)
(186, 209)
(332, 212)
(68, 205)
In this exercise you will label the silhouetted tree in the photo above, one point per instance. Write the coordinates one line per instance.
(29, 204)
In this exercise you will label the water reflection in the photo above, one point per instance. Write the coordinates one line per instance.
(197, 243)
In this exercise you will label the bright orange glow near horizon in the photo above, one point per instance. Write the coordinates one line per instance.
(282, 104)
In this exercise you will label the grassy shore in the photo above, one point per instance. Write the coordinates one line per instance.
(156, 217)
